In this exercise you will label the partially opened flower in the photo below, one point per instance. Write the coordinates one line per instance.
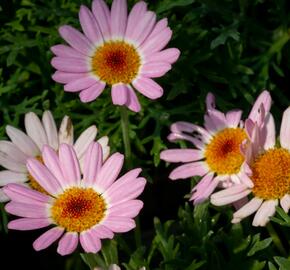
(114, 49)
(78, 207)
(14, 153)
(269, 170)
(217, 155)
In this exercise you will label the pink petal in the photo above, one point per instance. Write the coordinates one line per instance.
(68, 243)
(210, 101)
(119, 224)
(155, 69)
(125, 190)
(11, 151)
(67, 64)
(75, 39)
(188, 170)
(90, 26)
(265, 99)
(137, 12)
(181, 155)
(202, 195)
(10, 164)
(248, 209)
(47, 238)
(22, 194)
(8, 177)
(132, 100)
(89, 242)
(285, 130)
(148, 88)
(157, 42)
(129, 209)
(267, 210)
(109, 171)
(35, 130)
(43, 176)
(102, 15)
(229, 191)
(66, 51)
(22, 141)
(118, 18)
(92, 92)
(52, 162)
(66, 131)
(100, 231)
(169, 56)
(233, 118)
(50, 129)
(69, 165)
(27, 224)
(269, 132)
(229, 197)
(143, 27)
(93, 163)
(27, 210)
(84, 140)
(119, 94)
(80, 84)
(218, 118)
(65, 77)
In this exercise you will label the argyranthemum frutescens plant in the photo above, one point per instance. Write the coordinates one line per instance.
(79, 207)
(115, 49)
(268, 162)
(217, 157)
(14, 153)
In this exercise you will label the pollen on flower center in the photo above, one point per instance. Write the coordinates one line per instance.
(223, 154)
(271, 174)
(78, 209)
(116, 62)
(33, 183)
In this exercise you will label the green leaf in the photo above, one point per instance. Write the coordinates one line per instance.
(284, 264)
(168, 4)
(259, 245)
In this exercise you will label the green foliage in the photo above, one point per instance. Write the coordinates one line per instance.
(232, 48)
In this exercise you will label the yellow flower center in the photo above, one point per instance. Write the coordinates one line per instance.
(116, 62)
(33, 183)
(271, 174)
(78, 209)
(223, 154)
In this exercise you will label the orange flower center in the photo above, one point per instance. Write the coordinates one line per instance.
(116, 62)
(271, 174)
(78, 209)
(223, 154)
(33, 183)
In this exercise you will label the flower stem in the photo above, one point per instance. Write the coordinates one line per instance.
(276, 239)
(128, 155)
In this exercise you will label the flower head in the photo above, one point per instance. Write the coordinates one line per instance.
(80, 207)
(14, 153)
(114, 49)
(217, 155)
(268, 168)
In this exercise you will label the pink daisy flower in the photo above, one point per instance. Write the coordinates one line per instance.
(78, 207)
(14, 153)
(269, 169)
(121, 50)
(217, 157)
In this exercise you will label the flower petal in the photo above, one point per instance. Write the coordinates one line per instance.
(68, 64)
(80, 84)
(27, 210)
(89, 242)
(66, 131)
(267, 210)
(66, 77)
(92, 92)
(169, 56)
(102, 15)
(66, 51)
(22, 141)
(285, 202)
(35, 130)
(181, 155)
(119, 224)
(129, 209)
(68, 243)
(233, 118)
(132, 100)
(7, 177)
(119, 94)
(47, 238)
(50, 129)
(118, 18)
(27, 224)
(12, 152)
(148, 87)
(189, 170)
(285, 130)
(155, 69)
(75, 39)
